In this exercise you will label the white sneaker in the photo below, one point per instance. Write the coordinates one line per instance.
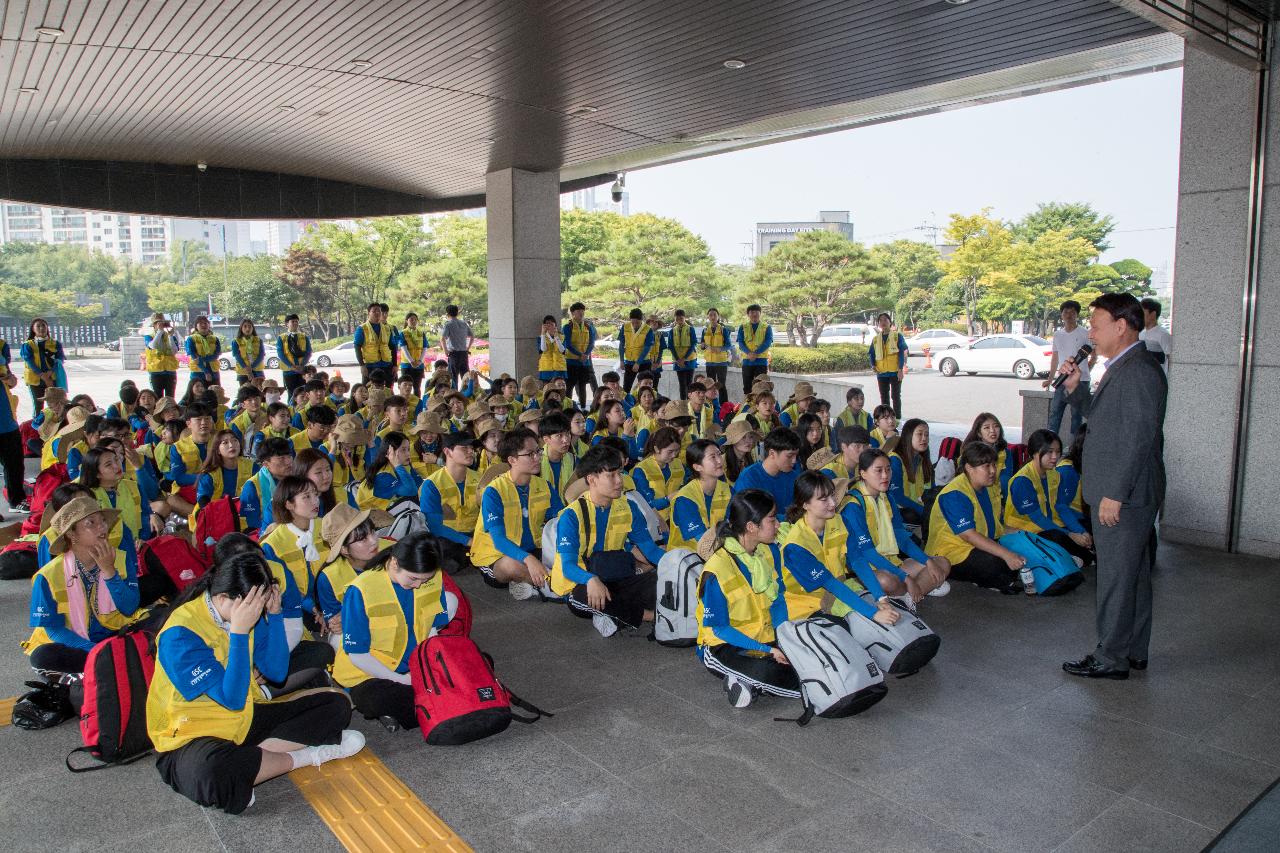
(905, 600)
(739, 694)
(1079, 562)
(521, 591)
(351, 743)
(943, 589)
(604, 624)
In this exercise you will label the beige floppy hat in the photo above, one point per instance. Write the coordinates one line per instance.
(344, 518)
(75, 511)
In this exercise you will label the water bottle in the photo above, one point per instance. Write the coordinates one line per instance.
(1028, 580)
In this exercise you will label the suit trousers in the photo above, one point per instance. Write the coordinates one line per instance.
(1125, 555)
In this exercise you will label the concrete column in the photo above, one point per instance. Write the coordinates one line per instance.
(1219, 109)
(524, 265)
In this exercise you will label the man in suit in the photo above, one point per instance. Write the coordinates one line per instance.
(1123, 484)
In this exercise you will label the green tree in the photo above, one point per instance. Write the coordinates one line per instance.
(1135, 277)
(126, 295)
(1078, 218)
(651, 263)
(461, 238)
(186, 258)
(816, 279)
(427, 287)
(914, 270)
(370, 257)
(582, 233)
(982, 250)
(1048, 270)
(314, 280)
(173, 297)
(252, 290)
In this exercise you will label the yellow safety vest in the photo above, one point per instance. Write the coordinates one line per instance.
(205, 346)
(862, 419)
(829, 550)
(164, 358)
(886, 541)
(293, 348)
(174, 721)
(943, 541)
(343, 475)
(49, 350)
(248, 349)
(388, 630)
(579, 336)
(190, 453)
(342, 574)
(377, 345)
(411, 350)
(551, 360)
(129, 503)
(753, 337)
(663, 486)
(464, 507)
(913, 484)
(633, 342)
(615, 538)
(714, 345)
(884, 353)
(655, 351)
(840, 470)
(1077, 500)
(566, 471)
(1014, 519)
(748, 609)
(719, 505)
(483, 551)
(682, 342)
(54, 575)
(289, 557)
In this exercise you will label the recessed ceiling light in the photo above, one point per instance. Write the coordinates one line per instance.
(957, 2)
(286, 108)
(585, 111)
(361, 63)
(52, 32)
(27, 90)
(322, 113)
(51, 122)
(734, 64)
(483, 52)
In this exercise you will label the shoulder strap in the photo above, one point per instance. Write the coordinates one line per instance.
(91, 768)
(586, 520)
(537, 712)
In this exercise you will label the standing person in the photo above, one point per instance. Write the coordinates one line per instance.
(410, 343)
(682, 340)
(456, 337)
(293, 348)
(385, 310)
(203, 348)
(635, 341)
(42, 354)
(1123, 484)
(717, 350)
(888, 352)
(1159, 342)
(1066, 343)
(551, 359)
(373, 343)
(579, 337)
(11, 447)
(162, 357)
(655, 351)
(754, 339)
(248, 351)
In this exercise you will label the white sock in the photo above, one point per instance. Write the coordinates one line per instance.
(305, 757)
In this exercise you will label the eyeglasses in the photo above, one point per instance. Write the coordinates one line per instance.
(537, 451)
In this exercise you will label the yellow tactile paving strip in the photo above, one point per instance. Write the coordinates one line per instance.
(6, 710)
(372, 811)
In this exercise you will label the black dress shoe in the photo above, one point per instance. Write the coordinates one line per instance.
(1138, 663)
(1091, 667)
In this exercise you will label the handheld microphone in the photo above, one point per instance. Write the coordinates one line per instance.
(1080, 356)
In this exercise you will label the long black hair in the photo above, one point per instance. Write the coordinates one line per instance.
(809, 485)
(391, 441)
(907, 452)
(749, 506)
(1040, 442)
(418, 553)
(89, 475)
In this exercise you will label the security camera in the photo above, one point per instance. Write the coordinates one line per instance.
(202, 166)
(615, 191)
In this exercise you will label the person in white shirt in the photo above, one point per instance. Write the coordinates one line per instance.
(1066, 343)
(1158, 340)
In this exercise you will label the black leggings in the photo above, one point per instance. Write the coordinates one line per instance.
(891, 393)
(380, 697)
(14, 466)
(629, 599)
(1057, 537)
(165, 384)
(985, 570)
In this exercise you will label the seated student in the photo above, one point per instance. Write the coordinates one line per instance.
(103, 472)
(878, 537)
(814, 558)
(988, 429)
(595, 568)
(614, 421)
(225, 470)
(1035, 497)
(348, 446)
(352, 536)
(61, 497)
(777, 472)
(125, 408)
(912, 471)
(611, 381)
(396, 602)
(450, 500)
(187, 456)
(320, 422)
(87, 592)
(208, 718)
(1069, 500)
(294, 546)
(389, 478)
(578, 434)
(660, 474)
(822, 409)
(706, 419)
(277, 426)
(515, 504)
(964, 525)
(96, 428)
(740, 440)
(886, 425)
(798, 404)
(645, 414)
(852, 441)
(425, 433)
(404, 390)
(557, 459)
(812, 438)
(741, 605)
(310, 395)
(318, 468)
(701, 503)
(760, 411)
(396, 419)
(249, 417)
(275, 461)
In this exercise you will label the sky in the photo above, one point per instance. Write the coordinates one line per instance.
(1113, 145)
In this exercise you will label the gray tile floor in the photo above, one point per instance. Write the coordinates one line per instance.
(991, 747)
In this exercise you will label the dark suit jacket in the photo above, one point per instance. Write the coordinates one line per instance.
(1124, 448)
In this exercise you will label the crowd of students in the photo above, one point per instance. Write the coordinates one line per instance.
(793, 509)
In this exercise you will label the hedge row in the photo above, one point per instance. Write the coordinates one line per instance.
(825, 358)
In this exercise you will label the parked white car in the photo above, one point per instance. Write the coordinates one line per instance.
(846, 333)
(341, 355)
(1023, 356)
(937, 340)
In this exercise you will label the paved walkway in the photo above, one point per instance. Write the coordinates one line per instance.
(991, 747)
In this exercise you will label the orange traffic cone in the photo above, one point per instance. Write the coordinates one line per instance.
(928, 358)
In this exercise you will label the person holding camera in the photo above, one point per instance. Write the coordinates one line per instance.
(162, 347)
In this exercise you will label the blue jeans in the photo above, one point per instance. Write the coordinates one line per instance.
(1079, 410)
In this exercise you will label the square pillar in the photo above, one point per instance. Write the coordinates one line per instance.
(524, 265)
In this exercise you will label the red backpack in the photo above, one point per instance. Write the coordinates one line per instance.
(949, 448)
(46, 482)
(460, 624)
(457, 696)
(171, 555)
(215, 520)
(113, 719)
(32, 443)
